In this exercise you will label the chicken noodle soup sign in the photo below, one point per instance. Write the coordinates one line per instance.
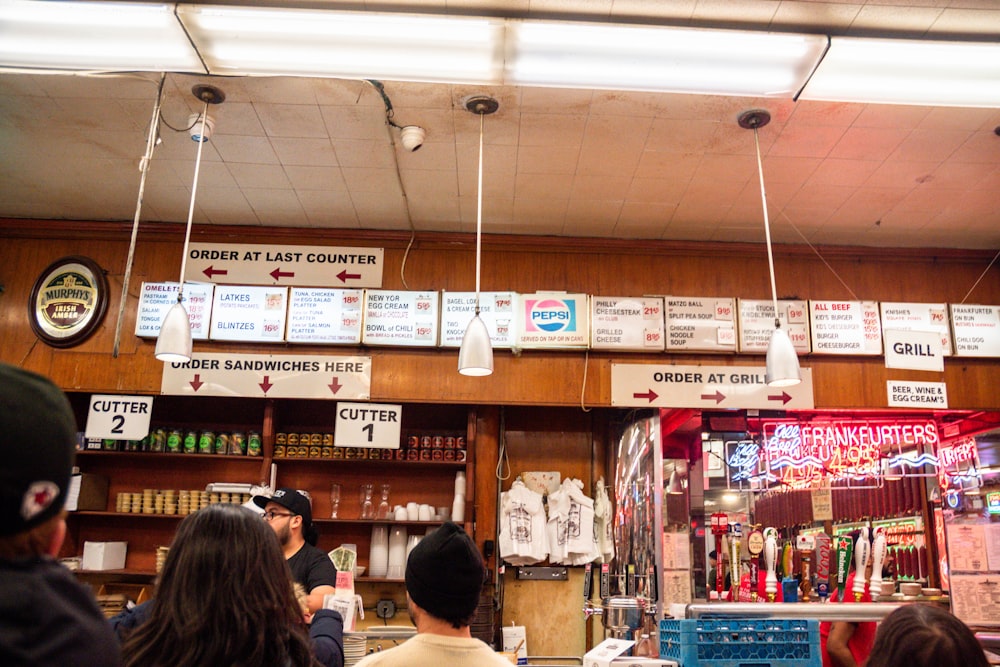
(798, 453)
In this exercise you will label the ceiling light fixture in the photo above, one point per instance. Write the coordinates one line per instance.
(173, 344)
(95, 36)
(475, 357)
(907, 71)
(782, 361)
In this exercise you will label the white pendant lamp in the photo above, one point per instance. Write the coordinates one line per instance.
(475, 357)
(782, 361)
(173, 345)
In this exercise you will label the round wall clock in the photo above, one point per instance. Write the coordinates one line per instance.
(68, 301)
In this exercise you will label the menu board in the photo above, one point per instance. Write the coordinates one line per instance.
(318, 315)
(701, 323)
(496, 310)
(553, 320)
(757, 322)
(845, 327)
(976, 330)
(918, 317)
(396, 317)
(155, 299)
(243, 313)
(626, 323)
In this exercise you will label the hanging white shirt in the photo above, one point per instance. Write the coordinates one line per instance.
(522, 526)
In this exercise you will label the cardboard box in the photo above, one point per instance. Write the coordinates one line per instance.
(87, 492)
(104, 555)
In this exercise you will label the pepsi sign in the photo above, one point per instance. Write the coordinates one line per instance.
(554, 321)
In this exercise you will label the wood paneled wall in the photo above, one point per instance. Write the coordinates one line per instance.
(523, 264)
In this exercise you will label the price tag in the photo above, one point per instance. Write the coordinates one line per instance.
(119, 417)
(375, 425)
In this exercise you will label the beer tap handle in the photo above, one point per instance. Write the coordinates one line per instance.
(770, 560)
(878, 558)
(862, 551)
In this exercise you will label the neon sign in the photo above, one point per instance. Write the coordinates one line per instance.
(993, 502)
(801, 452)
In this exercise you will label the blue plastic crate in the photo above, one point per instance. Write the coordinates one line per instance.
(741, 642)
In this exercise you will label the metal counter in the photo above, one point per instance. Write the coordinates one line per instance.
(823, 611)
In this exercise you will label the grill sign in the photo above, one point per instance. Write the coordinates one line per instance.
(68, 301)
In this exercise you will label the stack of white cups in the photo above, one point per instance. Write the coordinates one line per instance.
(378, 556)
(458, 506)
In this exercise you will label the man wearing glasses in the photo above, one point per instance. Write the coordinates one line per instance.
(289, 513)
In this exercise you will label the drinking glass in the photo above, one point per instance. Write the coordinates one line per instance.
(383, 507)
(367, 506)
(334, 499)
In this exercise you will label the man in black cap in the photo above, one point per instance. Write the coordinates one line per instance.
(289, 513)
(444, 579)
(46, 616)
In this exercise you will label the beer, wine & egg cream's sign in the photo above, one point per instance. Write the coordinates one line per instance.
(553, 320)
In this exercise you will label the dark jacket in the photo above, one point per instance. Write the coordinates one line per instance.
(48, 618)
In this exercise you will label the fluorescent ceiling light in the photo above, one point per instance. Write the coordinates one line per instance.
(403, 47)
(664, 59)
(896, 71)
(94, 36)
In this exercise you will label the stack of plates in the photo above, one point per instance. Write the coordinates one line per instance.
(355, 645)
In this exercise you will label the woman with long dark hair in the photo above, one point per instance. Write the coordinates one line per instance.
(922, 635)
(225, 597)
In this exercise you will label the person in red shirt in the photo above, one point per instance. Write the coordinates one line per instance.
(843, 643)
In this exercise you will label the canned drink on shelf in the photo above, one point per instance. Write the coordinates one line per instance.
(158, 440)
(175, 441)
(254, 447)
(437, 442)
(315, 439)
(350, 452)
(326, 452)
(222, 443)
(398, 454)
(449, 455)
(305, 439)
(460, 455)
(449, 442)
(206, 442)
(425, 441)
(425, 454)
(412, 455)
(460, 442)
(133, 445)
(413, 442)
(328, 439)
(190, 442)
(437, 455)
(338, 452)
(315, 451)
(110, 445)
(386, 454)
(303, 452)
(293, 439)
(238, 443)
(279, 451)
(281, 438)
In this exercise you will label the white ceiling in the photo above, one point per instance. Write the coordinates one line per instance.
(317, 153)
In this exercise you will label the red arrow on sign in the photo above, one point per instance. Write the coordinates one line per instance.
(278, 274)
(335, 385)
(345, 276)
(718, 397)
(651, 395)
(784, 397)
(266, 384)
(196, 383)
(215, 272)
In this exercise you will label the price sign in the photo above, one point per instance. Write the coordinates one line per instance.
(700, 323)
(375, 425)
(119, 417)
(626, 323)
(756, 320)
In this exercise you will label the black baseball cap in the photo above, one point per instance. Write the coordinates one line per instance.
(293, 500)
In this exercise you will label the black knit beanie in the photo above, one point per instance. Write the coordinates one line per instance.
(445, 573)
(37, 446)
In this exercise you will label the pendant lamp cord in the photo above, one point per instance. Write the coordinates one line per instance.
(143, 169)
(479, 210)
(194, 192)
(767, 231)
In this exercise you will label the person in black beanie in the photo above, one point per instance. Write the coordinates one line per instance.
(444, 578)
(46, 616)
(289, 513)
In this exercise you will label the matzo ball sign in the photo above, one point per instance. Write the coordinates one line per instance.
(68, 301)
(554, 321)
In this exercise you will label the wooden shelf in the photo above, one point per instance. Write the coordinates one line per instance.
(379, 463)
(87, 453)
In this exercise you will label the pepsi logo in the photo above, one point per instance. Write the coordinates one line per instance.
(551, 315)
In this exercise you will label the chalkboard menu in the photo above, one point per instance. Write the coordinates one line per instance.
(626, 323)
(242, 313)
(317, 315)
(701, 324)
(845, 327)
(155, 299)
(757, 323)
(395, 317)
(496, 310)
(918, 317)
(976, 330)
